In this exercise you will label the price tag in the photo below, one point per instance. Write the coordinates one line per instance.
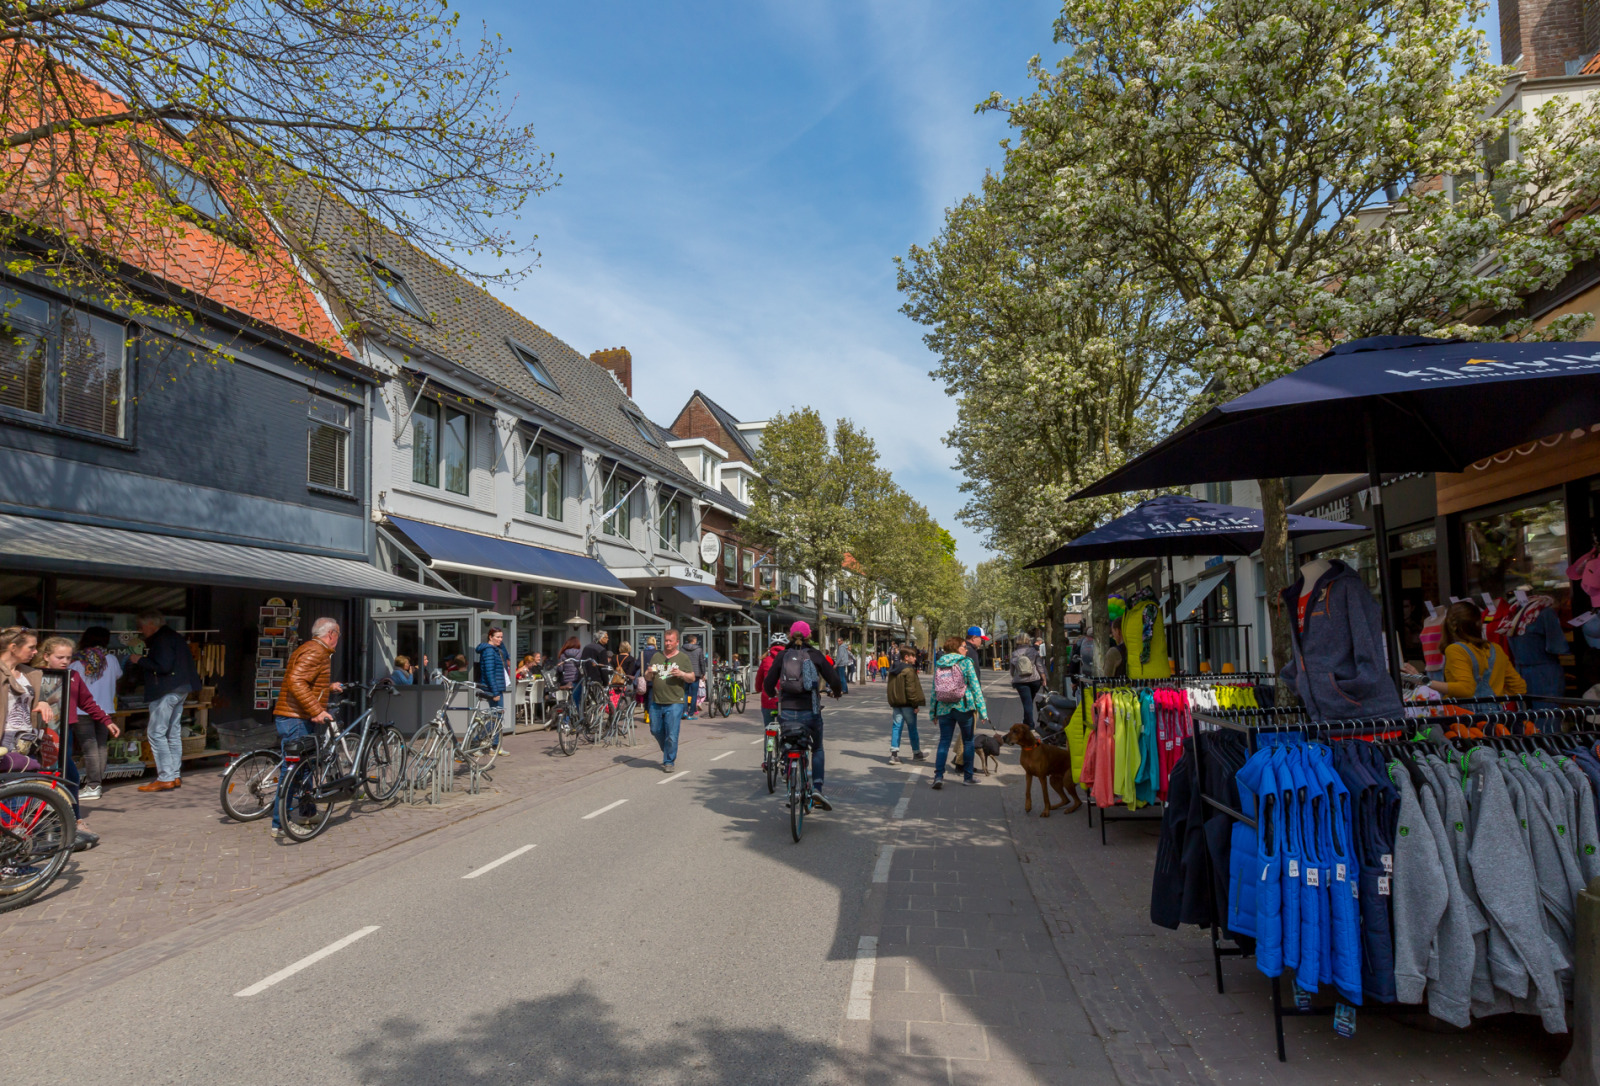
(1455, 599)
(1294, 869)
(1383, 885)
(1522, 596)
(1581, 619)
(1488, 601)
(1344, 1020)
(1388, 863)
(1312, 877)
(1302, 998)
(1338, 872)
(1432, 610)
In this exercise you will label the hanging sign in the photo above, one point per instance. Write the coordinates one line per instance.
(710, 548)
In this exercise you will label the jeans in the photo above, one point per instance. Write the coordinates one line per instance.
(664, 720)
(165, 734)
(947, 731)
(497, 703)
(768, 716)
(813, 723)
(576, 698)
(289, 727)
(844, 680)
(1027, 692)
(90, 737)
(905, 716)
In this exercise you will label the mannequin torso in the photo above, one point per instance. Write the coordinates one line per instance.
(1310, 574)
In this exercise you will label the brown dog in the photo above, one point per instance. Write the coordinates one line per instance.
(1052, 765)
(985, 748)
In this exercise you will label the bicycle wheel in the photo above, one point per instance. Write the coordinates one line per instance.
(797, 797)
(566, 731)
(724, 701)
(383, 767)
(300, 815)
(739, 698)
(771, 766)
(481, 744)
(250, 786)
(44, 828)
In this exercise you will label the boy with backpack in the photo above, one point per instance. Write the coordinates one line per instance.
(1027, 674)
(905, 697)
(796, 679)
(957, 703)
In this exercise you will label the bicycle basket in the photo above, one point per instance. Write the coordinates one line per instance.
(301, 746)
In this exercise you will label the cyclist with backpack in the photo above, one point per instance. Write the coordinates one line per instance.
(796, 680)
(769, 702)
(957, 703)
(1027, 673)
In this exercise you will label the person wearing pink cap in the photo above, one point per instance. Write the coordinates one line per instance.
(797, 693)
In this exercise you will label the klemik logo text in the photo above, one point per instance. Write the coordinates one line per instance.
(1488, 367)
(1201, 524)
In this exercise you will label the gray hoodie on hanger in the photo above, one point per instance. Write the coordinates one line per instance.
(1550, 864)
(1454, 955)
(1485, 999)
(1502, 868)
(1588, 832)
(1420, 892)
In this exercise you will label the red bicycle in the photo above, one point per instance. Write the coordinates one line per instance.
(38, 828)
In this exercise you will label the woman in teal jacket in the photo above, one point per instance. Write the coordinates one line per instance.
(952, 714)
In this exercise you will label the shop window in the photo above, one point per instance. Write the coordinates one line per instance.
(534, 365)
(441, 446)
(114, 604)
(749, 570)
(671, 525)
(544, 482)
(70, 369)
(1518, 548)
(328, 444)
(730, 564)
(21, 600)
(1361, 556)
(396, 289)
(617, 498)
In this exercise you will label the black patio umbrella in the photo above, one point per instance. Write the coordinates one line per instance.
(1179, 524)
(1384, 404)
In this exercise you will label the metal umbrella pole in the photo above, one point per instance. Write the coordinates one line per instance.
(1380, 528)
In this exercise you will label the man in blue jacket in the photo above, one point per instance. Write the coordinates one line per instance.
(494, 676)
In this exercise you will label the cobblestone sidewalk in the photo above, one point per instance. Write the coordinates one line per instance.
(170, 859)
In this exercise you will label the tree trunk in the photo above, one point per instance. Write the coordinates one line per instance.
(1275, 564)
(1055, 637)
(819, 629)
(1099, 574)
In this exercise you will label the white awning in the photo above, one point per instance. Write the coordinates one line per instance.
(1197, 595)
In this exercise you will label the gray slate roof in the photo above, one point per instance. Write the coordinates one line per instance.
(730, 424)
(469, 326)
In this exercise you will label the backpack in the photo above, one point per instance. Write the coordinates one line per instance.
(569, 671)
(949, 684)
(797, 674)
(1022, 666)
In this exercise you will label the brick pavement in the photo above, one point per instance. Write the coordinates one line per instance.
(171, 860)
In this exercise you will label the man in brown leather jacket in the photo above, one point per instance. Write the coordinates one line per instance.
(306, 682)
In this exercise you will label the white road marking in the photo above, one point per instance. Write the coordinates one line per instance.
(721, 756)
(900, 808)
(753, 742)
(663, 780)
(881, 872)
(491, 865)
(916, 771)
(866, 971)
(309, 960)
(608, 807)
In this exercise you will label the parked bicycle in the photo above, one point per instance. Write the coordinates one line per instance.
(727, 694)
(37, 831)
(476, 747)
(335, 764)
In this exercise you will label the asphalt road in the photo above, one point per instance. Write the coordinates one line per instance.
(657, 930)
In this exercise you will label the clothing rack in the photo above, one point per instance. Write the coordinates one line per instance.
(1553, 742)
(1094, 685)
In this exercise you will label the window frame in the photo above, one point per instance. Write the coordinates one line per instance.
(675, 509)
(624, 515)
(440, 414)
(51, 334)
(533, 364)
(747, 568)
(642, 426)
(730, 564)
(538, 453)
(410, 305)
(346, 429)
(227, 225)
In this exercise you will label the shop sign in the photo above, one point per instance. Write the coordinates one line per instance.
(449, 631)
(1334, 510)
(710, 548)
(1214, 561)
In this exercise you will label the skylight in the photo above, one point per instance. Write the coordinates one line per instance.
(536, 369)
(643, 427)
(396, 289)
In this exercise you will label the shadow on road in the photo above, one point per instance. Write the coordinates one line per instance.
(577, 1039)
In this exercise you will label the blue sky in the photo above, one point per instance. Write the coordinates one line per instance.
(737, 180)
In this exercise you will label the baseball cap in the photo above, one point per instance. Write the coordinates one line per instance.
(977, 631)
(800, 629)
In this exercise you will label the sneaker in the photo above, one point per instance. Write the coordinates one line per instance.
(894, 757)
(88, 792)
(968, 780)
(938, 783)
(818, 802)
(918, 756)
(85, 841)
(667, 767)
(277, 831)
(502, 753)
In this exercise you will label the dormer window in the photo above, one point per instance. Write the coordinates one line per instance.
(393, 283)
(643, 427)
(191, 192)
(535, 367)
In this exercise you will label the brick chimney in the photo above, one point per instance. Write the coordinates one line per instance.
(619, 362)
(1548, 35)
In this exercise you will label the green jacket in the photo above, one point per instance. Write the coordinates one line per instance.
(905, 688)
(972, 700)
